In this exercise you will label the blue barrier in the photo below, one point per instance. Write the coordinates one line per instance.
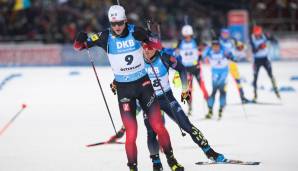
(49, 55)
(285, 89)
(74, 73)
(70, 57)
(294, 78)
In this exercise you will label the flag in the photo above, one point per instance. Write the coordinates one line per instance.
(21, 5)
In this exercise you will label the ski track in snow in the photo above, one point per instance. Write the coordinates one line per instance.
(65, 113)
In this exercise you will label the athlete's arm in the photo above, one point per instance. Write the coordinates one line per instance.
(271, 38)
(253, 47)
(228, 54)
(178, 44)
(84, 41)
(98, 39)
(206, 53)
(172, 62)
(147, 37)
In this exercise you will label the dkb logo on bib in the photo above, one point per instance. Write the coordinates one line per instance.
(125, 44)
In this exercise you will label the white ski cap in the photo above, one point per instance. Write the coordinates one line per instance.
(116, 13)
(187, 30)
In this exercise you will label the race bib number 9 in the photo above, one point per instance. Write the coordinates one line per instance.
(126, 64)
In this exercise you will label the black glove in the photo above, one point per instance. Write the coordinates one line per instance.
(229, 56)
(185, 96)
(82, 37)
(113, 87)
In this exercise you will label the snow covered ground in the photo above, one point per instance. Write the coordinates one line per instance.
(66, 112)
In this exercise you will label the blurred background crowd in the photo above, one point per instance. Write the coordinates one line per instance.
(58, 21)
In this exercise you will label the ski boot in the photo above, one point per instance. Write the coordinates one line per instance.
(209, 114)
(132, 166)
(276, 92)
(254, 100)
(174, 165)
(189, 110)
(157, 166)
(275, 89)
(244, 100)
(212, 155)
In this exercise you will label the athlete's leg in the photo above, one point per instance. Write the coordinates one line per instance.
(223, 92)
(268, 68)
(152, 142)
(128, 116)
(150, 106)
(215, 86)
(223, 95)
(256, 68)
(233, 66)
(153, 145)
(176, 113)
(180, 118)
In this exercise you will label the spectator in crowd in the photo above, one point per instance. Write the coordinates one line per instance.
(55, 21)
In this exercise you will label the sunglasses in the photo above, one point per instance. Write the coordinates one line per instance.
(148, 48)
(119, 23)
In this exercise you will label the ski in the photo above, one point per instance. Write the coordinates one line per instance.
(104, 143)
(228, 161)
(210, 119)
(267, 103)
(112, 140)
(258, 103)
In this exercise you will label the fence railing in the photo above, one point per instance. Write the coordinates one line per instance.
(38, 54)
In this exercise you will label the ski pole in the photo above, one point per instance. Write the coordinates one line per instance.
(12, 119)
(104, 98)
(242, 105)
(244, 110)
